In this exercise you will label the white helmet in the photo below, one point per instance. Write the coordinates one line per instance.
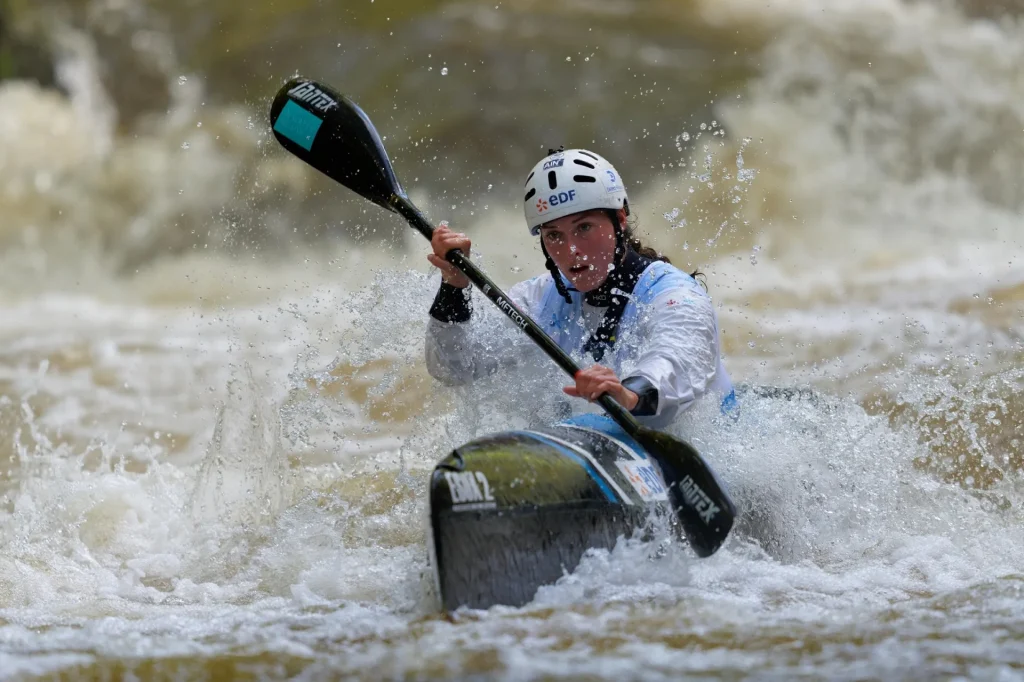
(567, 182)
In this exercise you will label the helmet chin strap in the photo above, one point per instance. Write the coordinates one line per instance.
(620, 239)
(614, 293)
(629, 265)
(556, 275)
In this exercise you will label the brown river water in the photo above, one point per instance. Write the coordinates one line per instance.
(215, 423)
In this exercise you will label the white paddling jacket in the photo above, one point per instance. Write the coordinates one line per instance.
(666, 349)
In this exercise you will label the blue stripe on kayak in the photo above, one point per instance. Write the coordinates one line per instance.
(298, 125)
(587, 466)
(604, 424)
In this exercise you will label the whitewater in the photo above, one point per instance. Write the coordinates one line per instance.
(216, 427)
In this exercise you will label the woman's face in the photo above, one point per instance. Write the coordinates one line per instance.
(582, 246)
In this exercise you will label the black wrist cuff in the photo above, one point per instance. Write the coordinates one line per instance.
(647, 405)
(452, 304)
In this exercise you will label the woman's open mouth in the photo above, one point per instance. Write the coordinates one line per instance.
(577, 269)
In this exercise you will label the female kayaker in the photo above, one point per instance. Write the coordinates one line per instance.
(649, 329)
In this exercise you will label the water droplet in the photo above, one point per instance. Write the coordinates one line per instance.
(586, 59)
(184, 145)
(444, 71)
(182, 80)
(568, 59)
(199, 125)
(686, 137)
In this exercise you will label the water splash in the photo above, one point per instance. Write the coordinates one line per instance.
(245, 473)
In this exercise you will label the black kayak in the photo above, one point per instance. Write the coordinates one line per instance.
(513, 511)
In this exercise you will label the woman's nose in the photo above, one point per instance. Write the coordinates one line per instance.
(576, 245)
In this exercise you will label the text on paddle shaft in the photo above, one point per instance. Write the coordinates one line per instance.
(698, 499)
(511, 312)
(468, 486)
(313, 96)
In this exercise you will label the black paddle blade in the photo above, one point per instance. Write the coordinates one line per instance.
(330, 133)
(704, 509)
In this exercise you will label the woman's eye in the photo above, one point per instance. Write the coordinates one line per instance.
(584, 227)
(553, 237)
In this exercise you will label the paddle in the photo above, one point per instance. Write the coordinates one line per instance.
(330, 133)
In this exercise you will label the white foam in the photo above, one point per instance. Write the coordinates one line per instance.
(126, 533)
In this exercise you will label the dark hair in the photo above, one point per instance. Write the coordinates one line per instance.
(629, 233)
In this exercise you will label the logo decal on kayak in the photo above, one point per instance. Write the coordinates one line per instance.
(470, 490)
(644, 479)
(698, 499)
(313, 96)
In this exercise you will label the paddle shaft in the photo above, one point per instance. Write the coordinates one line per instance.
(500, 299)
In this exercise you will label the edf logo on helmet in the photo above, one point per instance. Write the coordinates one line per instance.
(555, 200)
